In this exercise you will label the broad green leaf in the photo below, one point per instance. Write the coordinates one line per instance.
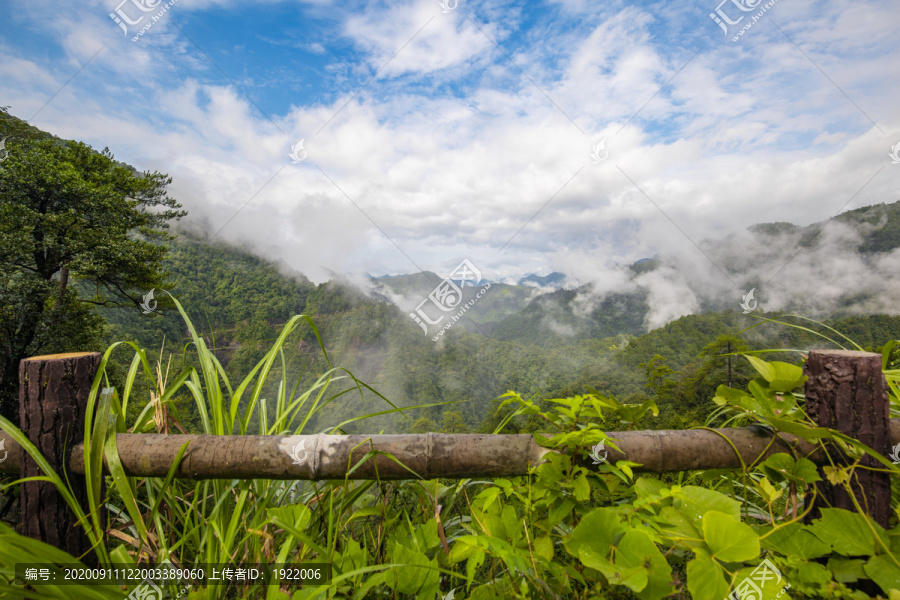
(695, 501)
(512, 524)
(846, 570)
(760, 401)
(472, 565)
(848, 533)
(487, 591)
(796, 540)
(582, 488)
(366, 511)
(762, 367)
(706, 579)
(786, 376)
(490, 495)
(543, 546)
(494, 526)
(515, 558)
(676, 524)
(295, 516)
(805, 470)
(767, 490)
(462, 548)
(353, 557)
(641, 561)
(625, 467)
(728, 538)
(560, 510)
(597, 561)
(813, 573)
(883, 571)
(646, 487)
(810, 434)
(629, 570)
(412, 575)
(426, 536)
(731, 396)
(633, 577)
(836, 475)
(783, 466)
(597, 531)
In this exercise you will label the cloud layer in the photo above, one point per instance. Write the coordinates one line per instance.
(472, 137)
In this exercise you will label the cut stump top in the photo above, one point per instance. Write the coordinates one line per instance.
(61, 356)
(846, 353)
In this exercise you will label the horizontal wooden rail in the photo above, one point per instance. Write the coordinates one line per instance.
(430, 455)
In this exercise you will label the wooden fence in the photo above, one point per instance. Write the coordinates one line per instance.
(845, 391)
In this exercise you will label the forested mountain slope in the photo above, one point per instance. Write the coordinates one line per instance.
(240, 301)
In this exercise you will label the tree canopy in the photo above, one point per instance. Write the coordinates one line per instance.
(69, 213)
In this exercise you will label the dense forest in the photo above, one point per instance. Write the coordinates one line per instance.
(246, 300)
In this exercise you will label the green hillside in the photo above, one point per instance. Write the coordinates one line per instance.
(239, 302)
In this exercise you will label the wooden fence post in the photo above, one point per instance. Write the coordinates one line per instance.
(53, 394)
(847, 391)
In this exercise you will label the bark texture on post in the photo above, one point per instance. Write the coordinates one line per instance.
(53, 393)
(847, 391)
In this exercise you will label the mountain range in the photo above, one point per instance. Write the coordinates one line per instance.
(656, 326)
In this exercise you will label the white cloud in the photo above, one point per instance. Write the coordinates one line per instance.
(451, 150)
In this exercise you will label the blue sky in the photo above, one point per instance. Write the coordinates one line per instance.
(477, 135)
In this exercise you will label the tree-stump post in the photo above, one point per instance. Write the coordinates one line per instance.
(53, 394)
(847, 391)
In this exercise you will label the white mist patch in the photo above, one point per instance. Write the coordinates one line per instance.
(559, 328)
(669, 296)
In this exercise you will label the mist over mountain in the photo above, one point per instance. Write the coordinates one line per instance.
(544, 335)
(840, 267)
(555, 280)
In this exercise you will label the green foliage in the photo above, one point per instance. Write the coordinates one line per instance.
(549, 314)
(452, 422)
(69, 212)
(574, 527)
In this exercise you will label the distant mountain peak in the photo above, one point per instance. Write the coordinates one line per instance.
(555, 280)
